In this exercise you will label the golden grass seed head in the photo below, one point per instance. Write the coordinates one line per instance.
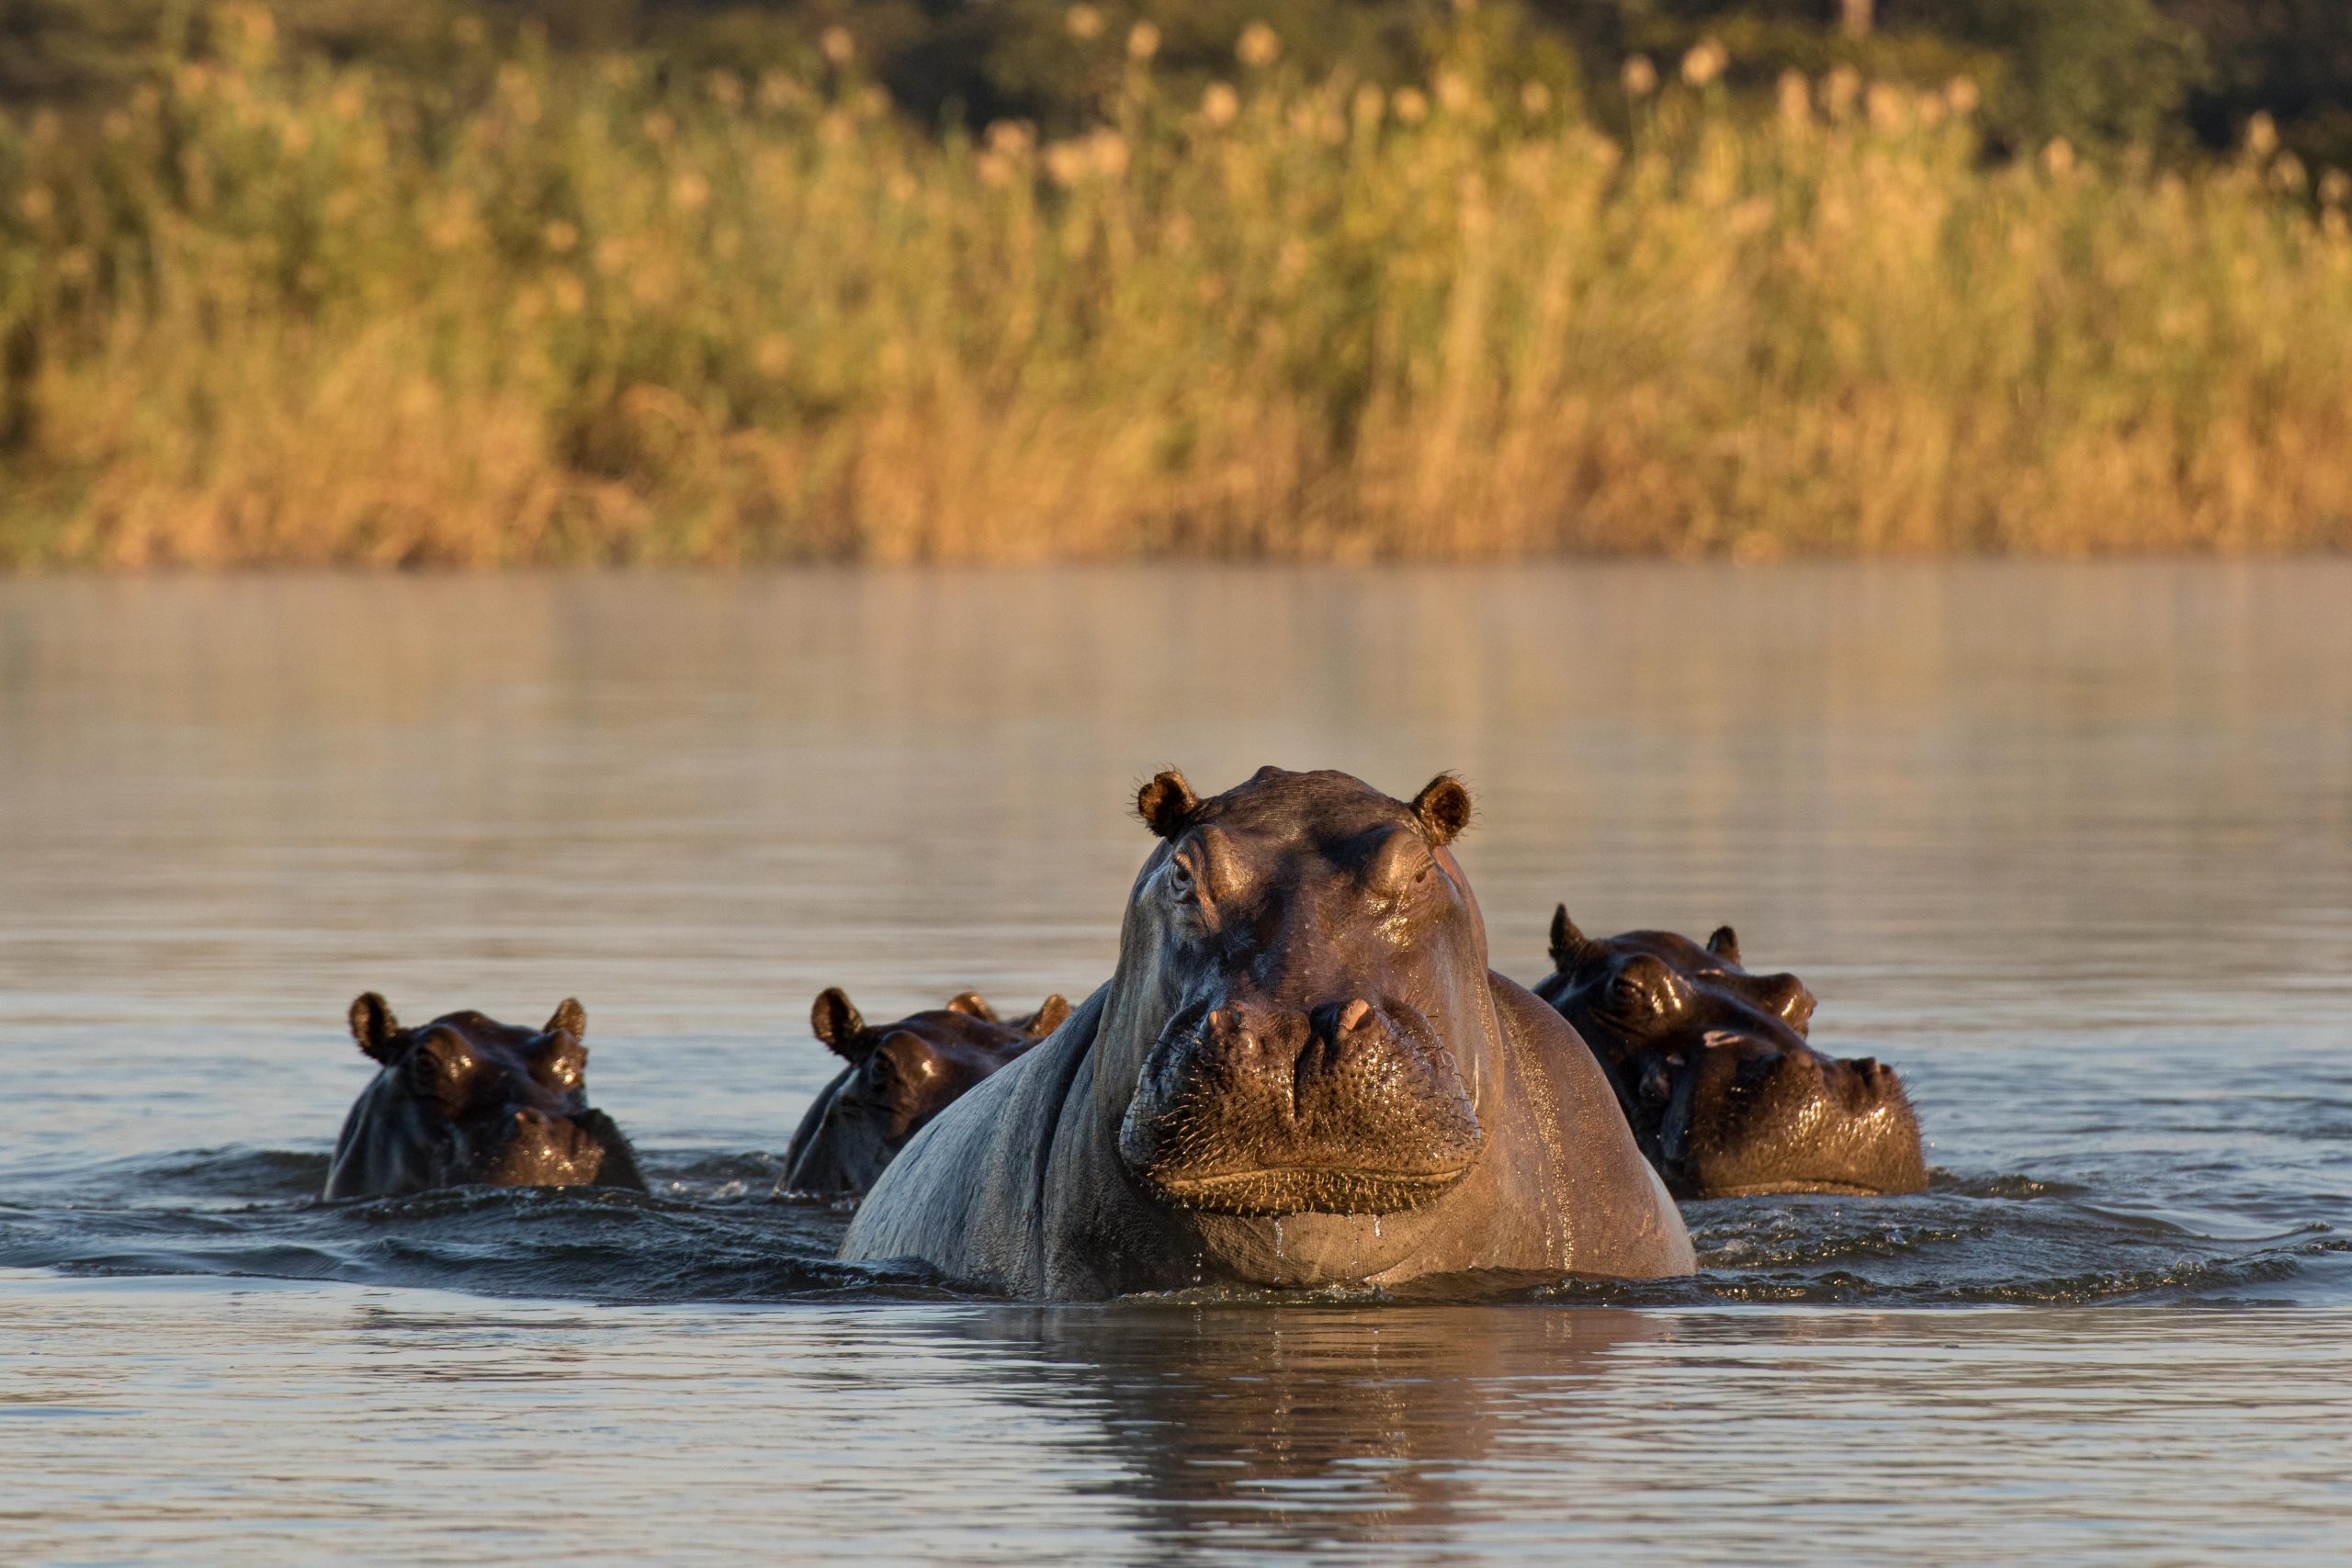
(1793, 96)
(1705, 64)
(1838, 91)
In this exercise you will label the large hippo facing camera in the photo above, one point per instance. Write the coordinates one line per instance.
(1724, 1094)
(899, 1075)
(468, 1100)
(1301, 1073)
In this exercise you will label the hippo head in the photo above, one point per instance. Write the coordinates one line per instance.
(1711, 1063)
(466, 1099)
(1302, 1022)
(899, 1077)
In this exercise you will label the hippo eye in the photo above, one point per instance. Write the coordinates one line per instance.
(1644, 987)
(1179, 879)
(442, 1066)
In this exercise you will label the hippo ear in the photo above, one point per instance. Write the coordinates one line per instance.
(833, 1020)
(570, 1018)
(1724, 944)
(373, 1025)
(1167, 803)
(973, 1005)
(1570, 947)
(1443, 810)
(1047, 1017)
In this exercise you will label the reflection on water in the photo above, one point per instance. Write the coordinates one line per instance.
(1293, 1430)
(268, 1424)
(2071, 848)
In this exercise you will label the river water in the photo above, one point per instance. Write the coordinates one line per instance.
(2070, 846)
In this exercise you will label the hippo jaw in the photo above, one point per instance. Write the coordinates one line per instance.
(1750, 1117)
(1347, 1110)
(543, 1148)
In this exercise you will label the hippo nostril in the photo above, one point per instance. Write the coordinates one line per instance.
(1355, 1013)
(1866, 1066)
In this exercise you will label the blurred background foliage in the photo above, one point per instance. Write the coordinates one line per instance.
(409, 283)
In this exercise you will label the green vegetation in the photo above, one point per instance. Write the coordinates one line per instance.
(269, 298)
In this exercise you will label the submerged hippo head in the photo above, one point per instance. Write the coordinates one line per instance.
(1312, 960)
(1711, 1064)
(467, 1100)
(899, 1075)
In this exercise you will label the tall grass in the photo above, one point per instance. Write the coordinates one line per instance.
(271, 310)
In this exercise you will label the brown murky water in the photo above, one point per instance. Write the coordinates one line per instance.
(2072, 847)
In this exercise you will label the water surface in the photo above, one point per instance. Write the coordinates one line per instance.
(2070, 846)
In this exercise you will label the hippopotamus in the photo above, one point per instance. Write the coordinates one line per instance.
(1716, 1074)
(899, 1075)
(1301, 1073)
(466, 1099)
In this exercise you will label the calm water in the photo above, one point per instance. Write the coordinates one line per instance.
(2072, 847)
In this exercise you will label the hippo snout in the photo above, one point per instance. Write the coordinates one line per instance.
(1347, 1107)
(545, 1149)
(1756, 1116)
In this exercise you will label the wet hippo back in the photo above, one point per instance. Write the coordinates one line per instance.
(1302, 1073)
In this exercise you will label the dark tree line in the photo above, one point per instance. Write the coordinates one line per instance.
(2176, 72)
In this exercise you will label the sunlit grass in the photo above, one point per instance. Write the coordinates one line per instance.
(272, 312)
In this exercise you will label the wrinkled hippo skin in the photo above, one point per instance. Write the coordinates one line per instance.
(899, 1075)
(1302, 1073)
(1711, 1064)
(468, 1100)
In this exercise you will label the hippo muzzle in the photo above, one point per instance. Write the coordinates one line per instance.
(1748, 1113)
(537, 1147)
(1245, 1107)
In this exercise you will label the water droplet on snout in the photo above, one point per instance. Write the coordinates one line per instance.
(1375, 1227)
(1278, 1236)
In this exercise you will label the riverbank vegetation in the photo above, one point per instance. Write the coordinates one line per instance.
(268, 304)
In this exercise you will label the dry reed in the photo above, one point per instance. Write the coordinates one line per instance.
(271, 311)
